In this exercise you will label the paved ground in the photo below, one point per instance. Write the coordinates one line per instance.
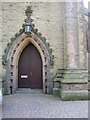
(39, 105)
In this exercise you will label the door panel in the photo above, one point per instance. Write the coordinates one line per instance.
(30, 68)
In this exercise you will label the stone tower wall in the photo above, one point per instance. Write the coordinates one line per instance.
(45, 19)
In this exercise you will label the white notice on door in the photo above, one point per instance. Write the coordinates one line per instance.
(24, 76)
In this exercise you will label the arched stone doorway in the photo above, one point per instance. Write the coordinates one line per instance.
(13, 58)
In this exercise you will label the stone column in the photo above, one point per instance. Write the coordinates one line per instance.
(8, 77)
(82, 37)
(72, 50)
(73, 81)
(89, 50)
(0, 58)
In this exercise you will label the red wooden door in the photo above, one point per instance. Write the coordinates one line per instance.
(30, 68)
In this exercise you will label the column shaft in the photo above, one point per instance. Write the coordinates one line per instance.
(82, 37)
(72, 35)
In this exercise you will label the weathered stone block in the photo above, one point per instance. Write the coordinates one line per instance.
(57, 84)
(76, 87)
(56, 92)
(74, 95)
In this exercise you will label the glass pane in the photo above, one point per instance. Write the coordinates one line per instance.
(27, 28)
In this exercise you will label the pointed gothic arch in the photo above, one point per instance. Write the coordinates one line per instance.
(13, 57)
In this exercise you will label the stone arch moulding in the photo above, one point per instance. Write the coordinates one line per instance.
(13, 56)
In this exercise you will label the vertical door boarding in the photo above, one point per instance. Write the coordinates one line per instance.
(30, 68)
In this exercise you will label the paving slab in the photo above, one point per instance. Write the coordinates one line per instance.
(40, 105)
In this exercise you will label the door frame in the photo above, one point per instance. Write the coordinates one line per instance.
(13, 57)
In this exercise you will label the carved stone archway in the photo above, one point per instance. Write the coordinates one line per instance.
(13, 56)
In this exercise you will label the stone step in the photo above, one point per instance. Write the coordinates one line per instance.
(59, 76)
(72, 71)
(73, 75)
(28, 90)
(74, 81)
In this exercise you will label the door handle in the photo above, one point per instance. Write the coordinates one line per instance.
(30, 73)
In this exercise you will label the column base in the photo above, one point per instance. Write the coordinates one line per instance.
(71, 84)
(74, 95)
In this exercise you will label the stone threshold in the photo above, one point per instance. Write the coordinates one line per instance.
(29, 90)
